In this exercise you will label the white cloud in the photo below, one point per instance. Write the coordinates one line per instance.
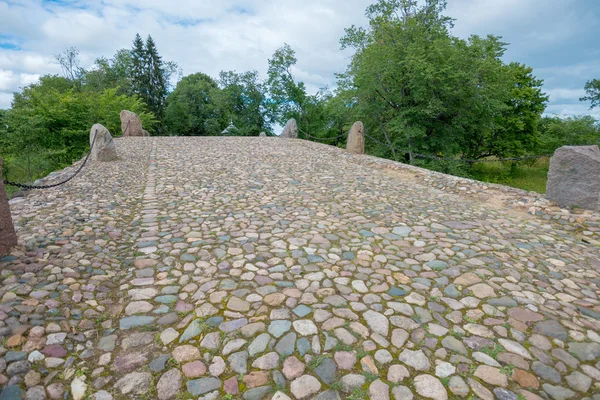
(524, 24)
(200, 36)
(565, 94)
(570, 109)
(10, 80)
(577, 69)
(27, 62)
(5, 98)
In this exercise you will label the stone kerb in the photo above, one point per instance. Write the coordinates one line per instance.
(8, 237)
(356, 139)
(574, 177)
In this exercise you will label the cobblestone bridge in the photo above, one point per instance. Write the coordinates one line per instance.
(265, 268)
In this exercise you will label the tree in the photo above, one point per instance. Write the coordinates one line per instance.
(150, 75)
(517, 126)
(592, 89)
(338, 116)
(111, 73)
(70, 64)
(242, 99)
(200, 105)
(192, 109)
(286, 95)
(572, 131)
(421, 90)
(156, 78)
(139, 74)
(288, 99)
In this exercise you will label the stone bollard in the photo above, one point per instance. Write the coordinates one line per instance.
(262, 134)
(290, 131)
(131, 124)
(356, 139)
(104, 147)
(8, 237)
(574, 177)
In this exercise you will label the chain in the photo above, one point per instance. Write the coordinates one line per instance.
(126, 127)
(325, 139)
(28, 187)
(310, 137)
(432, 157)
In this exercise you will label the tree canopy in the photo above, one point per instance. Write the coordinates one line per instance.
(592, 90)
(419, 88)
(201, 105)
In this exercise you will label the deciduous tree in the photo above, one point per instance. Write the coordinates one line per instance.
(592, 90)
(421, 89)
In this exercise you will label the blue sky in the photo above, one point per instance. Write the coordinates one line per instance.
(558, 38)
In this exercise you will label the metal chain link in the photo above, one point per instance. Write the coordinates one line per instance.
(29, 187)
(432, 157)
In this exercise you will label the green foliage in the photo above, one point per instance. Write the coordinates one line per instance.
(592, 90)
(242, 99)
(370, 376)
(156, 92)
(507, 370)
(202, 106)
(287, 97)
(317, 360)
(48, 126)
(191, 107)
(138, 73)
(578, 130)
(420, 89)
(110, 74)
(150, 75)
(493, 351)
(523, 175)
(358, 394)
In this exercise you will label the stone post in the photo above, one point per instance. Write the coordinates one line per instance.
(8, 237)
(290, 130)
(131, 124)
(356, 139)
(574, 177)
(104, 147)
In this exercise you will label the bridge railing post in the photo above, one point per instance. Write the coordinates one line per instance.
(8, 237)
(356, 139)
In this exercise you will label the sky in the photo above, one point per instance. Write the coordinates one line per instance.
(558, 38)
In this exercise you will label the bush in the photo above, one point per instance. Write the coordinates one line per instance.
(48, 126)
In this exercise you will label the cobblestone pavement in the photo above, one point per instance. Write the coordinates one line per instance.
(226, 268)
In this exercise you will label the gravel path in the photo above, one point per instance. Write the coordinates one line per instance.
(264, 268)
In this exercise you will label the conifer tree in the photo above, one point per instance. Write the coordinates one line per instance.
(150, 75)
(139, 82)
(157, 79)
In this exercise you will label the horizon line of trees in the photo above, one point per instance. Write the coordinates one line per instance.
(413, 84)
